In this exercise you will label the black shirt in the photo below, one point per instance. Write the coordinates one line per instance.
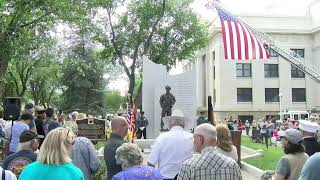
(110, 148)
(17, 161)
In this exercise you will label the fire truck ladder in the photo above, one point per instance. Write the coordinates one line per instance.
(287, 54)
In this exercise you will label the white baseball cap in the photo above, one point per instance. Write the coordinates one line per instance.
(308, 126)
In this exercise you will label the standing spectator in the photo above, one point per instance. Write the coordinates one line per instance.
(74, 116)
(172, 148)
(28, 144)
(309, 130)
(142, 124)
(210, 164)
(119, 127)
(29, 107)
(53, 161)
(264, 131)
(17, 128)
(202, 118)
(41, 117)
(130, 157)
(290, 165)
(224, 143)
(247, 126)
(240, 125)
(83, 153)
(310, 170)
(235, 125)
(51, 122)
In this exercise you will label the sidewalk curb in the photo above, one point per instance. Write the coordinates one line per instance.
(255, 153)
(251, 169)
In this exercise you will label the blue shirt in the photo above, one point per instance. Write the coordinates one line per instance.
(141, 172)
(17, 129)
(310, 170)
(39, 171)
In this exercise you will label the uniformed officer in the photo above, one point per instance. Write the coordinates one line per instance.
(309, 130)
(167, 101)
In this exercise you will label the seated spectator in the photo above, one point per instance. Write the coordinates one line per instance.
(28, 144)
(210, 164)
(7, 175)
(17, 128)
(83, 153)
(310, 170)
(172, 148)
(130, 158)
(290, 165)
(53, 161)
(224, 143)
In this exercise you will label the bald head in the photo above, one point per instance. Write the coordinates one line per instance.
(119, 126)
(204, 135)
(208, 131)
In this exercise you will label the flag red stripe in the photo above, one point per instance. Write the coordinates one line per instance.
(238, 41)
(245, 43)
(260, 50)
(231, 40)
(253, 46)
(224, 40)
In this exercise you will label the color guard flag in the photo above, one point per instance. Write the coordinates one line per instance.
(239, 42)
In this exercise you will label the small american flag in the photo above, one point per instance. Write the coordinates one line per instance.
(131, 117)
(239, 42)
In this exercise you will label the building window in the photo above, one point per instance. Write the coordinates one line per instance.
(296, 73)
(298, 52)
(243, 70)
(298, 95)
(271, 70)
(244, 94)
(272, 53)
(271, 95)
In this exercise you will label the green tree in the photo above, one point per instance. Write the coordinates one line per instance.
(113, 101)
(82, 78)
(166, 31)
(20, 18)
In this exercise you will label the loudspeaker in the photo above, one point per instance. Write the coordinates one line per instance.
(12, 108)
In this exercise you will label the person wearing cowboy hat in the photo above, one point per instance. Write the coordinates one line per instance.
(167, 101)
(172, 148)
(309, 130)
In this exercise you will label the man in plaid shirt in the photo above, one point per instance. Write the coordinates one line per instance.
(209, 165)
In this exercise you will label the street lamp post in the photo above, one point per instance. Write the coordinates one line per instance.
(280, 103)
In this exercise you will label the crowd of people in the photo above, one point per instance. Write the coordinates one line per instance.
(43, 145)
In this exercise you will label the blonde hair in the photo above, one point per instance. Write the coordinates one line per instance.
(72, 126)
(224, 138)
(55, 147)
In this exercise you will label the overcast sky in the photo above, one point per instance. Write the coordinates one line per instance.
(253, 7)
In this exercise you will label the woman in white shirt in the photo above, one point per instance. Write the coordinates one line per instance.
(224, 143)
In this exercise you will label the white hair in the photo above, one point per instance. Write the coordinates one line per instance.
(208, 131)
(25, 145)
(128, 155)
(176, 121)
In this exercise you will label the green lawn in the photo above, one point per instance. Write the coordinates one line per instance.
(271, 155)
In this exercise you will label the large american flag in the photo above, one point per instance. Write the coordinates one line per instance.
(239, 42)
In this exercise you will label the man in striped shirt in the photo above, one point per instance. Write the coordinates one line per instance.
(210, 165)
